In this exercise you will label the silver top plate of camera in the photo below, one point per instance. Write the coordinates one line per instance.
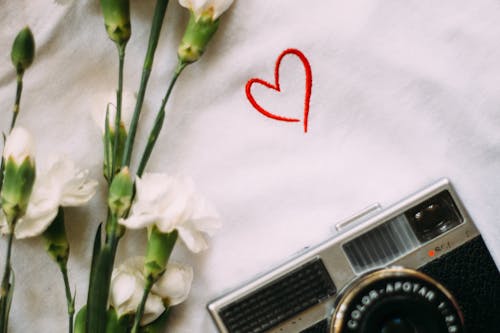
(418, 229)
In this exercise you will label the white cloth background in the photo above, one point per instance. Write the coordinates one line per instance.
(404, 92)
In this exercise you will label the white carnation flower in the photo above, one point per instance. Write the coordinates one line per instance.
(127, 287)
(172, 203)
(63, 184)
(199, 7)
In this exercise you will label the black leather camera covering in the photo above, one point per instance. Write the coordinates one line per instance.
(471, 275)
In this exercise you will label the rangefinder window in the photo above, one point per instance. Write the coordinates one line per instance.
(434, 217)
(383, 244)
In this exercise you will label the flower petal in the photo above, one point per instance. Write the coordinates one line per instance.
(153, 309)
(123, 287)
(72, 184)
(192, 238)
(139, 220)
(220, 6)
(19, 145)
(42, 210)
(175, 283)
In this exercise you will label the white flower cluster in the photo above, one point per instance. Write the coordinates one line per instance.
(127, 285)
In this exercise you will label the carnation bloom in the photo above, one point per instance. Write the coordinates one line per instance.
(172, 203)
(213, 7)
(127, 287)
(62, 185)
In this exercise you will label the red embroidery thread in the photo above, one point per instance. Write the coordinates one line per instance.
(276, 86)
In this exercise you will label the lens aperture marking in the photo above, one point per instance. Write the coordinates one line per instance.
(375, 301)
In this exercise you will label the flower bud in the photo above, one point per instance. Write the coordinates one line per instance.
(198, 33)
(19, 174)
(159, 248)
(120, 193)
(23, 50)
(56, 242)
(110, 141)
(117, 19)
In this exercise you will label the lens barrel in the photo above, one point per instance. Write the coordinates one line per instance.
(396, 300)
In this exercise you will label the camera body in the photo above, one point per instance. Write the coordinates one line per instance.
(421, 262)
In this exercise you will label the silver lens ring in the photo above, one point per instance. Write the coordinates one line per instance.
(396, 299)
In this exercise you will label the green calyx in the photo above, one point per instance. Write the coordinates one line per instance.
(159, 248)
(120, 193)
(17, 186)
(23, 50)
(117, 20)
(199, 32)
(56, 241)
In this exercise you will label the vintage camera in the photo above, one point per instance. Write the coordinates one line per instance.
(419, 266)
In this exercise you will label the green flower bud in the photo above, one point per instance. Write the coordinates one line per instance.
(23, 50)
(56, 242)
(159, 248)
(117, 19)
(109, 140)
(198, 33)
(120, 193)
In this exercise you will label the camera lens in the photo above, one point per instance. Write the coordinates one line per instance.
(397, 325)
(396, 300)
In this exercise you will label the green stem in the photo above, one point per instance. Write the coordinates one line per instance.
(119, 94)
(154, 35)
(17, 103)
(6, 271)
(5, 286)
(160, 117)
(70, 301)
(140, 309)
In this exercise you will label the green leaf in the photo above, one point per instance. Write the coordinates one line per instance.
(115, 324)
(93, 273)
(98, 295)
(81, 320)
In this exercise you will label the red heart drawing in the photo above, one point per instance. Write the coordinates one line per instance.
(276, 87)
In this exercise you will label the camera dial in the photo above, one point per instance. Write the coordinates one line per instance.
(396, 300)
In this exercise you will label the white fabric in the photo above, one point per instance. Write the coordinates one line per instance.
(404, 92)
